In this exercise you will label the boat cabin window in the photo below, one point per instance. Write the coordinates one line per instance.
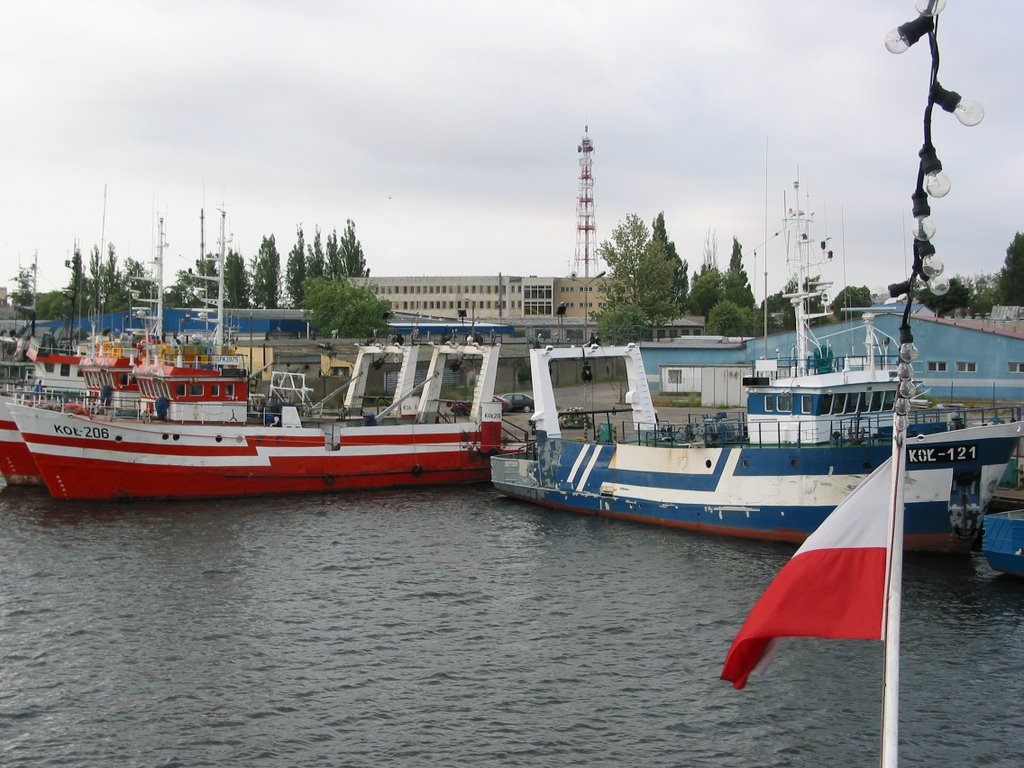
(785, 403)
(805, 404)
(769, 403)
(122, 379)
(179, 390)
(889, 400)
(851, 402)
(876, 402)
(215, 390)
(229, 390)
(195, 390)
(839, 403)
(825, 405)
(65, 369)
(48, 367)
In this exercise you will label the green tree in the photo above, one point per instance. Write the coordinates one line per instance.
(681, 270)
(735, 283)
(351, 251)
(640, 274)
(316, 265)
(52, 305)
(1011, 276)
(237, 283)
(295, 270)
(333, 266)
(266, 275)
(727, 318)
(707, 290)
(984, 292)
(344, 309)
(621, 324)
(849, 297)
(191, 284)
(23, 296)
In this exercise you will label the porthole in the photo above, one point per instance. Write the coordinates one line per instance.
(707, 463)
(794, 462)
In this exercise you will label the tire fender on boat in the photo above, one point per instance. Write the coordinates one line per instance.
(417, 470)
(329, 479)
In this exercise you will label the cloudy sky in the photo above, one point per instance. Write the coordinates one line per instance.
(447, 130)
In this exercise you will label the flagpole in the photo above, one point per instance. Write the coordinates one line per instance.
(894, 567)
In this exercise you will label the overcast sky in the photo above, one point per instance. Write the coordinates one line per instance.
(447, 131)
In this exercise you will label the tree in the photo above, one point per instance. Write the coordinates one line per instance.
(341, 308)
(315, 261)
(681, 276)
(848, 297)
(351, 251)
(191, 284)
(641, 274)
(707, 290)
(333, 265)
(735, 283)
(266, 275)
(727, 318)
(621, 325)
(237, 283)
(23, 296)
(984, 290)
(1011, 276)
(295, 270)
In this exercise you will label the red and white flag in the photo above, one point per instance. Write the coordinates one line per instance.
(834, 586)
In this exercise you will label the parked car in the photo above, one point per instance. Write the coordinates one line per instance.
(462, 407)
(517, 401)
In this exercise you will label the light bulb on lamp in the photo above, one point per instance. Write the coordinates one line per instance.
(923, 228)
(905, 35)
(930, 7)
(939, 286)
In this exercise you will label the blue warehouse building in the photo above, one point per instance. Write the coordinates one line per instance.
(959, 359)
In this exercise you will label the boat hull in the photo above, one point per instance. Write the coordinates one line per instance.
(16, 462)
(775, 493)
(81, 457)
(1003, 545)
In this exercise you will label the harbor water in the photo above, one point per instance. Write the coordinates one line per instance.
(458, 628)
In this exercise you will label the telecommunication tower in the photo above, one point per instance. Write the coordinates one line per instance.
(586, 228)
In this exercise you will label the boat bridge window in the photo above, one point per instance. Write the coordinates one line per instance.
(785, 403)
(825, 404)
(195, 390)
(215, 390)
(888, 400)
(851, 402)
(805, 404)
(48, 367)
(65, 369)
(179, 390)
(229, 390)
(839, 403)
(769, 403)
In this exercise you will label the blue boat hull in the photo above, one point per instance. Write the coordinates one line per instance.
(777, 493)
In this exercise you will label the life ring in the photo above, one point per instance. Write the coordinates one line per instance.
(75, 408)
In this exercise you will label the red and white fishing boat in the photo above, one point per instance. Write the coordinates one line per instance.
(195, 437)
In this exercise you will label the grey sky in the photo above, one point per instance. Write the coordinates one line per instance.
(447, 130)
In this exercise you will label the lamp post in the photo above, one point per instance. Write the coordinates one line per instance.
(586, 301)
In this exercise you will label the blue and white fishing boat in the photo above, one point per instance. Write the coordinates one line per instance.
(1003, 543)
(806, 440)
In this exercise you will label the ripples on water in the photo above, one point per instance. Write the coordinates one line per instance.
(457, 628)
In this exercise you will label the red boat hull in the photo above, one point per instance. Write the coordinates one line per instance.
(88, 458)
(16, 462)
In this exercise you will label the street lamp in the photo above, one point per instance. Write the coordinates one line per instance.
(586, 301)
(561, 316)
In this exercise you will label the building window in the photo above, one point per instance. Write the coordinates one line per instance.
(936, 366)
(966, 366)
(1016, 367)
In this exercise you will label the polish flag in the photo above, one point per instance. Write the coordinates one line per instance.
(834, 586)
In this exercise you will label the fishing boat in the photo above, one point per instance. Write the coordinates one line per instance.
(1003, 543)
(195, 436)
(814, 427)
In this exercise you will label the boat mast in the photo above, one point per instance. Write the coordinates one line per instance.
(218, 334)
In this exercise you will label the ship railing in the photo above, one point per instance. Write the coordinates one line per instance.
(729, 430)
